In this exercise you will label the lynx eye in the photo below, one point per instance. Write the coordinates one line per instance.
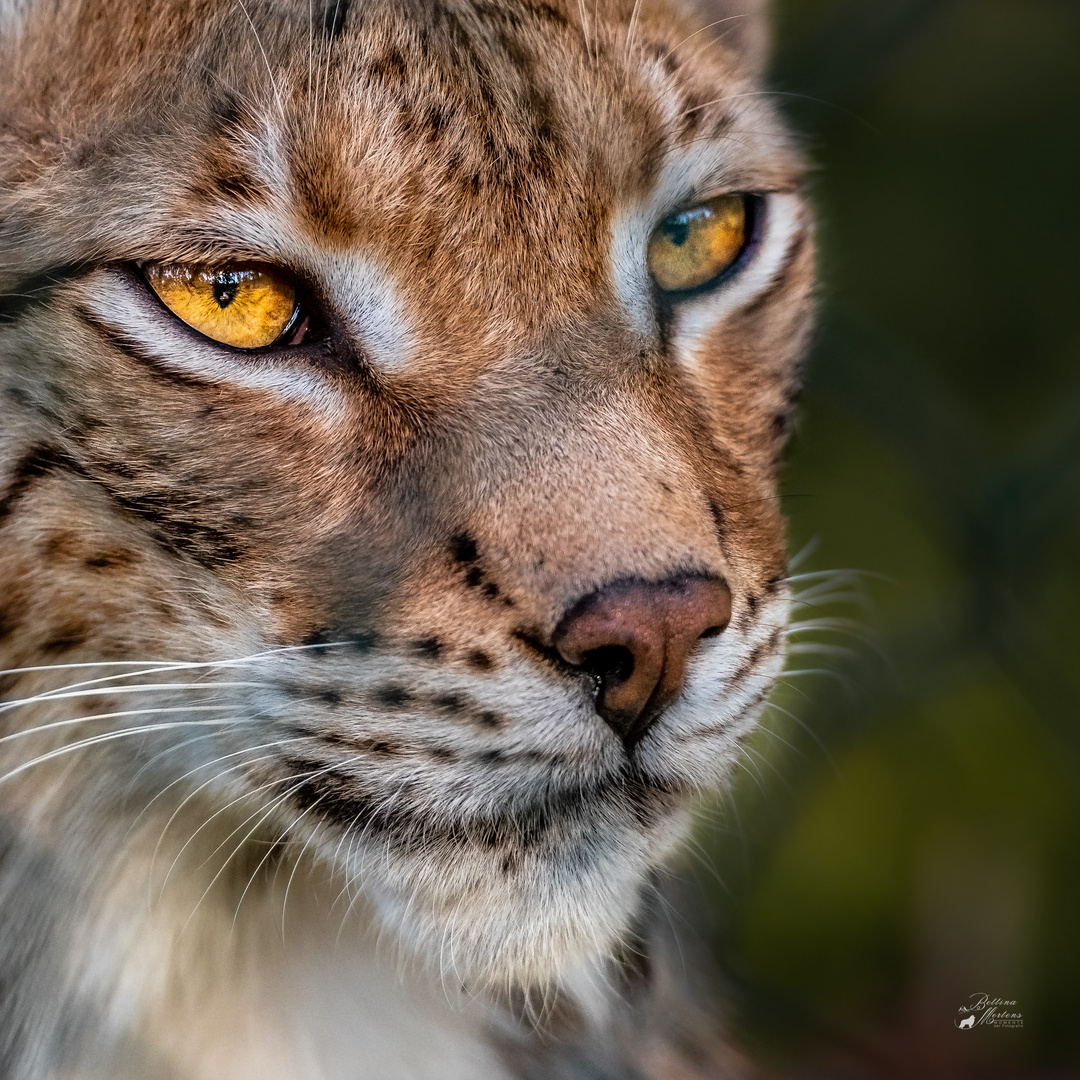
(694, 246)
(245, 305)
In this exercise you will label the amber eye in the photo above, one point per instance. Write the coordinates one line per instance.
(694, 246)
(246, 305)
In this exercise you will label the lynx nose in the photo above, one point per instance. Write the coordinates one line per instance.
(635, 637)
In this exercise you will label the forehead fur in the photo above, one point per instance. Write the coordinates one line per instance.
(497, 136)
(496, 417)
(462, 168)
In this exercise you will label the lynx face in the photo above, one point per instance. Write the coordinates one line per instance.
(420, 371)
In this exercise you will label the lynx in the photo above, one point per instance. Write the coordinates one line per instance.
(391, 395)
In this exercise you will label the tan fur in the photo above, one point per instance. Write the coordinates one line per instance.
(379, 805)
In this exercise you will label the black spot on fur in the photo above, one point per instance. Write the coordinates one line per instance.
(11, 620)
(751, 613)
(364, 641)
(61, 544)
(226, 112)
(117, 559)
(334, 15)
(491, 590)
(330, 697)
(463, 548)
(480, 660)
(393, 697)
(235, 186)
(437, 120)
(296, 690)
(452, 703)
(332, 794)
(429, 648)
(316, 642)
(380, 748)
(390, 66)
(492, 721)
(69, 636)
(474, 577)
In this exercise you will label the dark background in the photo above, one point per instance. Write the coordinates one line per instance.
(907, 832)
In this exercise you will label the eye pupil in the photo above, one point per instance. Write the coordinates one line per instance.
(225, 287)
(694, 247)
(248, 305)
(677, 229)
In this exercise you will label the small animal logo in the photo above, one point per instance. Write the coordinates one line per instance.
(969, 1022)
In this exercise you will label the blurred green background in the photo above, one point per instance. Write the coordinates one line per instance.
(907, 832)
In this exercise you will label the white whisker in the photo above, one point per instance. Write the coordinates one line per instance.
(221, 810)
(809, 731)
(821, 648)
(109, 716)
(105, 737)
(302, 778)
(266, 60)
(65, 695)
(779, 738)
(707, 26)
(766, 761)
(632, 28)
(152, 667)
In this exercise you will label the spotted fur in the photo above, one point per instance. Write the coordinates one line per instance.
(292, 783)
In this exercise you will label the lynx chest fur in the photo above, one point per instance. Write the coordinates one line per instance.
(390, 400)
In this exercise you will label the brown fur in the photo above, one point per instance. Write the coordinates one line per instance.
(422, 490)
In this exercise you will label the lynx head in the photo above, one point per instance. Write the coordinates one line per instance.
(434, 357)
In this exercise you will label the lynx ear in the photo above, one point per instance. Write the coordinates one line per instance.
(739, 25)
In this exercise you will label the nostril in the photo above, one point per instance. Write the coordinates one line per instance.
(634, 638)
(611, 665)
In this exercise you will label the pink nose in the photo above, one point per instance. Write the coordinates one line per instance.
(635, 637)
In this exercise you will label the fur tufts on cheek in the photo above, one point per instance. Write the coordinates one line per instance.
(389, 552)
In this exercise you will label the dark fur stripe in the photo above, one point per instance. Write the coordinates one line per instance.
(40, 461)
(761, 652)
(35, 290)
(133, 349)
(780, 279)
(340, 800)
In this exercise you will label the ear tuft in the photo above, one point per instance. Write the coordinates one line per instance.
(740, 26)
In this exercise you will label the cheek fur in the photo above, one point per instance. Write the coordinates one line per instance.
(284, 630)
